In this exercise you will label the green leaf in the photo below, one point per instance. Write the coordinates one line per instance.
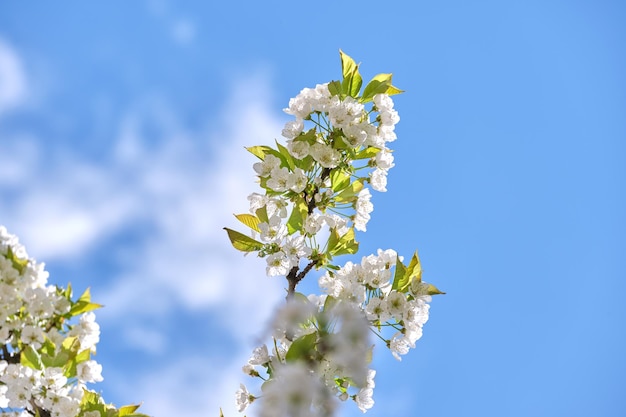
(392, 91)
(298, 214)
(339, 179)
(68, 291)
(128, 410)
(302, 348)
(242, 242)
(55, 361)
(261, 213)
(349, 194)
(345, 245)
(432, 290)
(419, 288)
(333, 240)
(305, 164)
(48, 347)
(31, 358)
(330, 303)
(335, 88)
(414, 270)
(352, 81)
(83, 356)
(259, 151)
(367, 153)
(382, 78)
(380, 84)
(249, 220)
(71, 344)
(89, 398)
(400, 279)
(377, 85)
(285, 157)
(83, 304)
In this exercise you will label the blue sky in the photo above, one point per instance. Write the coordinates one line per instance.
(122, 126)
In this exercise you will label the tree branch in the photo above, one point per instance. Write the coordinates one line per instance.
(293, 278)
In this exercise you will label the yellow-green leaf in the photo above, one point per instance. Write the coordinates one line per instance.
(259, 151)
(242, 242)
(339, 179)
(392, 91)
(349, 194)
(415, 267)
(352, 80)
(400, 279)
(345, 245)
(128, 410)
(432, 290)
(31, 358)
(298, 214)
(302, 348)
(367, 153)
(262, 215)
(249, 220)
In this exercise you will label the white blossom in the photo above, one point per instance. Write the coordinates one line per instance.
(278, 179)
(243, 398)
(265, 167)
(278, 264)
(293, 128)
(378, 179)
(363, 208)
(325, 155)
(89, 371)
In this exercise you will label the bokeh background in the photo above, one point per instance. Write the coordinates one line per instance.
(122, 127)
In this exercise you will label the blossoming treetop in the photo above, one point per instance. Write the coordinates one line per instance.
(314, 196)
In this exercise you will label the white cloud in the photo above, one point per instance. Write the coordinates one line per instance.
(184, 187)
(12, 78)
(192, 386)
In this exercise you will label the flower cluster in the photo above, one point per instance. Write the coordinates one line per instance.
(314, 198)
(324, 341)
(318, 173)
(47, 340)
(387, 303)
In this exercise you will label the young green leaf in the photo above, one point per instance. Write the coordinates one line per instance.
(56, 361)
(259, 151)
(83, 304)
(392, 91)
(401, 278)
(367, 153)
(352, 80)
(298, 214)
(262, 214)
(242, 242)
(128, 410)
(339, 179)
(285, 157)
(335, 88)
(345, 245)
(349, 194)
(249, 220)
(415, 268)
(302, 348)
(432, 290)
(31, 358)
